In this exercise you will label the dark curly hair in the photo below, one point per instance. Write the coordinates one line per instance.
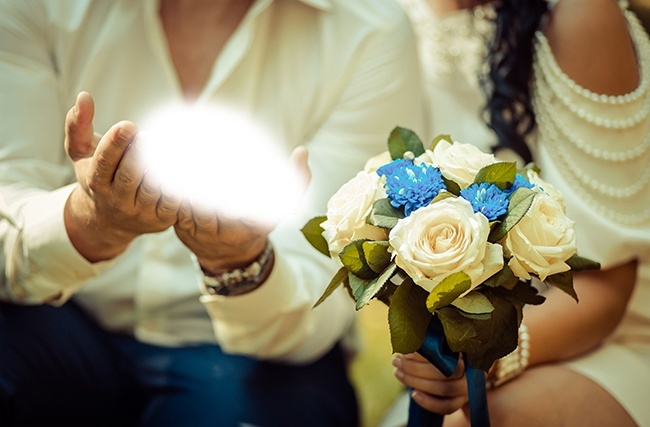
(508, 111)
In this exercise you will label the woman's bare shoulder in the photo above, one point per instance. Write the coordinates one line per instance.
(591, 42)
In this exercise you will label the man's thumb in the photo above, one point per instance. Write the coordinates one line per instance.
(79, 134)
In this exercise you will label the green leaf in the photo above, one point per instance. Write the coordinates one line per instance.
(336, 281)
(402, 140)
(448, 290)
(372, 288)
(313, 232)
(484, 341)
(408, 317)
(474, 303)
(386, 292)
(384, 215)
(357, 286)
(501, 174)
(505, 278)
(442, 196)
(460, 331)
(529, 166)
(377, 255)
(439, 138)
(353, 259)
(578, 263)
(451, 186)
(520, 202)
(563, 281)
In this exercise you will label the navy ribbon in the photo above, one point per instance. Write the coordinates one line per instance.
(435, 349)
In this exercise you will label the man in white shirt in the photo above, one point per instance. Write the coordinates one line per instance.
(109, 317)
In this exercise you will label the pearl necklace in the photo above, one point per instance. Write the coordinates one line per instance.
(550, 84)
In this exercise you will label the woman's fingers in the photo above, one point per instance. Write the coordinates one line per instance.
(437, 404)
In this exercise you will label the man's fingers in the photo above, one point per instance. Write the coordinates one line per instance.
(79, 135)
(299, 161)
(109, 152)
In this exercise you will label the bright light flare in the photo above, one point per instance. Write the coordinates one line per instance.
(221, 159)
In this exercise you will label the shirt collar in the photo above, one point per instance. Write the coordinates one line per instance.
(323, 5)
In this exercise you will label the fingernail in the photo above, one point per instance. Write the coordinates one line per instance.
(398, 374)
(397, 361)
(125, 134)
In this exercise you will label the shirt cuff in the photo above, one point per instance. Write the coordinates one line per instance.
(55, 269)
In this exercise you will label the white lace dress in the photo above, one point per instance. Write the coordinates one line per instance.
(595, 149)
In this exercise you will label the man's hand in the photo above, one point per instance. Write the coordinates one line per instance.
(222, 243)
(115, 201)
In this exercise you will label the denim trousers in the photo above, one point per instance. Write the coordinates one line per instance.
(59, 368)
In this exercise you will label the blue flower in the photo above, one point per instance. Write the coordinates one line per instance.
(487, 199)
(410, 185)
(389, 168)
(520, 182)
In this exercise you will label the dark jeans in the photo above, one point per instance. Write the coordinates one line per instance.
(58, 368)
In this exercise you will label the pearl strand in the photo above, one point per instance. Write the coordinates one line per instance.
(614, 156)
(567, 165)
(548, 86)
(584, 178)
(603, 122)
(643, 48)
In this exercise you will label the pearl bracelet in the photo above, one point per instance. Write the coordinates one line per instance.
(511, 365)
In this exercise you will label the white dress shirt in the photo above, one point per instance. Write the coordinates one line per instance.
(333, 75)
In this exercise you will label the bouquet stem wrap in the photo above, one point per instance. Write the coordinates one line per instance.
(435, 349)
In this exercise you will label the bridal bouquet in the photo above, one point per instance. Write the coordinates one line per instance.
(449, 236)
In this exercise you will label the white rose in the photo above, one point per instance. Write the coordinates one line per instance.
(377, 161)
(544, 186)
(459, 162)
(347, 211)
(444, 238)
(542, 241)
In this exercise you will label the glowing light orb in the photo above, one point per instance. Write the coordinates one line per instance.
(220, 159)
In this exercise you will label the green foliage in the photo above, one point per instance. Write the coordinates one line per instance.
(520, 202)
(448, 290)
(372, 288)
(354, 259)
(402, 140)
(563, 281)
(474, 303)
(529, 166)
(501, 174)
(408, 317)
(377, 255)
(505, 278)
(578, 263)
(313, 232)
(439, 138)
(384, 215)
(442, 196)
(336, 281)
(451, 186)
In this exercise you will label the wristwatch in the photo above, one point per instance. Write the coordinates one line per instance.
(241, 280)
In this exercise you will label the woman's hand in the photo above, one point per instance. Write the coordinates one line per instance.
(431, 389)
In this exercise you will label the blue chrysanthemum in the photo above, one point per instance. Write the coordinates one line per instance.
(389, 168)
(520, 182)
(487, 199)
(412, 186)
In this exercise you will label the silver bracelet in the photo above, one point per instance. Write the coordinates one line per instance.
(240, 280)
